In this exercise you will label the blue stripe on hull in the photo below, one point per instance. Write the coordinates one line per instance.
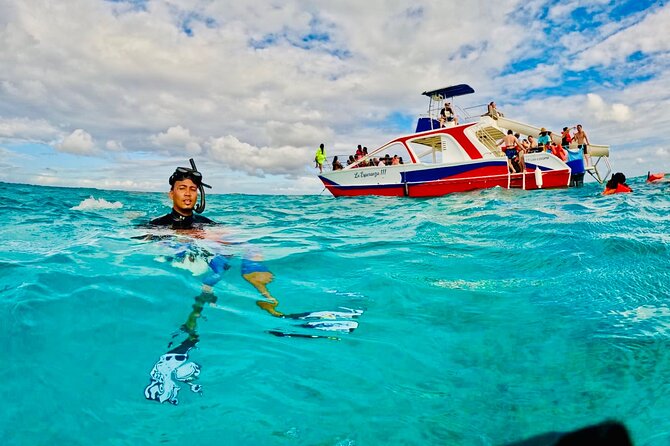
(423, 176)
(441, 173)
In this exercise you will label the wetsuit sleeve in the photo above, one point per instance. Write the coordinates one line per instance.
(203, 219)
(165, 220)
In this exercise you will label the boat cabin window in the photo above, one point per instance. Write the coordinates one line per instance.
(394, 150)
(425, 150)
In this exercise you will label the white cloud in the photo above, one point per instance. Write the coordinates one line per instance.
(257, 89)
(177, 139)
(114, 146)
(79, 142)
(257, 161)
(28, 129)
(647, 36)
(606, 112)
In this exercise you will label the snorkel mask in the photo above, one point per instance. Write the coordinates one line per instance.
(182, 173)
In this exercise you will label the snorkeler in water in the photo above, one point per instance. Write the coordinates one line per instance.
(185, 184)
(173, 366)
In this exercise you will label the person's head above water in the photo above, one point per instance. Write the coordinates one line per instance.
(185, 186)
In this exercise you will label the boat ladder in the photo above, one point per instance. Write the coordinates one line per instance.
(489, 136)
(593, 168)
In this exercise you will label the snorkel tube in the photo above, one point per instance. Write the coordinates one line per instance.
(200, 208)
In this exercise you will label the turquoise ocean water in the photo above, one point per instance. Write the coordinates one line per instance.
(489, 317)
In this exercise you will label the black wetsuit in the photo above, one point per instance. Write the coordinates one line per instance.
(177, 221)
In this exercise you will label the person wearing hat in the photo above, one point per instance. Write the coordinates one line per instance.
(185, 183)
(544, 140)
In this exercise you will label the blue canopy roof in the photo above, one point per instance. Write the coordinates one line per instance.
(450, 92)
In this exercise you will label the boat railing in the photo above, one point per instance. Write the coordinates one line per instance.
(328, 165)
(472, 113)
(468, 114)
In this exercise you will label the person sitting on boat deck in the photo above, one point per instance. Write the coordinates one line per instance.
(400, 160)
(447, 115)
(510, 145)
(617, 184)
(185, 184)
(582, 142)
(337, 165)
(359, 151)
(522, 152)
(320, 157)
(351, 160)
(543, 140)
(381, 162)
(395, 161)
(532, 145)
(493, 111)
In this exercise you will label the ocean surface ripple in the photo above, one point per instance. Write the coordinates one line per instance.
(489, 317)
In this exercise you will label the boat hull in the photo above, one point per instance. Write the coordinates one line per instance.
(423, 181)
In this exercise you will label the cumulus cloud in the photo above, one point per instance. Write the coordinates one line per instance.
(257, 161)
(258, 89)
(607, 112)
(177, 139)
(27, 129)
(79, 142)
(114, 146)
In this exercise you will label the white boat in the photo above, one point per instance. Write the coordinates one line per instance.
(458, 157)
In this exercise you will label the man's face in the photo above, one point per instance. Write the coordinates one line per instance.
(184, 195)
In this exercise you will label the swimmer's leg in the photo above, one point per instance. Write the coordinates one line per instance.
(191, 325)
(218, 265)
(257, 274)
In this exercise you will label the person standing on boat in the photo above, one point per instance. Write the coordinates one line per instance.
(320, 157)
(582, 142)
(511, 145)
(566, 139)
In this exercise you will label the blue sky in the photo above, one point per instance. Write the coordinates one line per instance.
(250, 90)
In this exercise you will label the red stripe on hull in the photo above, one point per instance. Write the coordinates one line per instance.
(458, 133)
(449, 186)
(551, 179)
(386, 191)
(460, 183)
